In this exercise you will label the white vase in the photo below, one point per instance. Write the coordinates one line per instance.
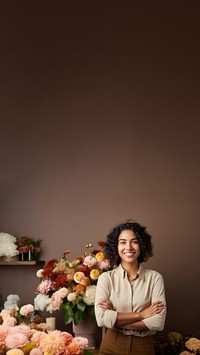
(87, 329)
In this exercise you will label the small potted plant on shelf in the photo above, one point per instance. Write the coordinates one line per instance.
(8, 247)
(29, 249)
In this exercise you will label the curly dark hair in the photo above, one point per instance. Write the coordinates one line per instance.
(111, 245)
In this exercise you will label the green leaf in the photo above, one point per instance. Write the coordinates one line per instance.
(68, 310)
(93, 315)
(78, 316)
(81, 306)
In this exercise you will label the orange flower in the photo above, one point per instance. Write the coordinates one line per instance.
(86, 282)
(74, 349)
(80, 288)
(79, 277)
(69, 277)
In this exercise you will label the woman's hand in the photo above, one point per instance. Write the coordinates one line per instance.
(105, 304)
(155, 308)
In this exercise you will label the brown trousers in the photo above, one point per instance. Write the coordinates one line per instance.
(117, 343)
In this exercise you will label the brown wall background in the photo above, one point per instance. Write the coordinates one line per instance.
(100, 123)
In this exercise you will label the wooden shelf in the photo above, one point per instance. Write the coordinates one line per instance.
(21, 263)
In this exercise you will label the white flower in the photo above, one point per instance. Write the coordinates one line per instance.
(8, 246)
(39, 273)
(13, 301)
(89, 295)
(71, 297)
(42, 302)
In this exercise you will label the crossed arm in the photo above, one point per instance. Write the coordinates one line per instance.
(134, 320)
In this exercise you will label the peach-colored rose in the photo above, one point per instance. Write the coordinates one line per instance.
(25, 310)
(63, 292)
(193, 344)
(35, 352)
(9, 321)
(56, 300)
(15, 352)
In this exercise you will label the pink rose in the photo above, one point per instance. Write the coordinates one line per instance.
(56, 300)
(44, 286)
(36, 352)
(89, 261)
(63, 292)
(104, 264)
(25, 310)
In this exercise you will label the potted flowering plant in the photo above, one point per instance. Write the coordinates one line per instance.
(29, 249)
(71, 285)
(174, 343)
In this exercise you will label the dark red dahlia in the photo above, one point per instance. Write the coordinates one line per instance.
(85, 269)
(47, 273)
(101, 244)
(51, 264)
(61, 281)
(95, 251)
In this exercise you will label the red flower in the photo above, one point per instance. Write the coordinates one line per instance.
(101, 244)
(51, 264)
(85, 269)
(61, 280)
(47, 273)
(95, 251)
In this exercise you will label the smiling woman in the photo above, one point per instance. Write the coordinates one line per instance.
(130, 300)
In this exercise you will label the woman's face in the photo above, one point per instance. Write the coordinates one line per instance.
(128, 246)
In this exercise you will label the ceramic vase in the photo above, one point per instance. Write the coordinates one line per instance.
(87, 329)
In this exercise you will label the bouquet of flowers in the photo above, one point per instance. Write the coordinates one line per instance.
(175, 343)
(8, 245)
(71, 285)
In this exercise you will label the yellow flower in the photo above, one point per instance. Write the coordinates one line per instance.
(100, 256)
(94, 274)
(28, 347)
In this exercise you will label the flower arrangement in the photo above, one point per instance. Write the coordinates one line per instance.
(175, 343)
(20, 335)
(14, 313)
(71, 285)
(8, 245)
(23, 340)
(27, 245)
